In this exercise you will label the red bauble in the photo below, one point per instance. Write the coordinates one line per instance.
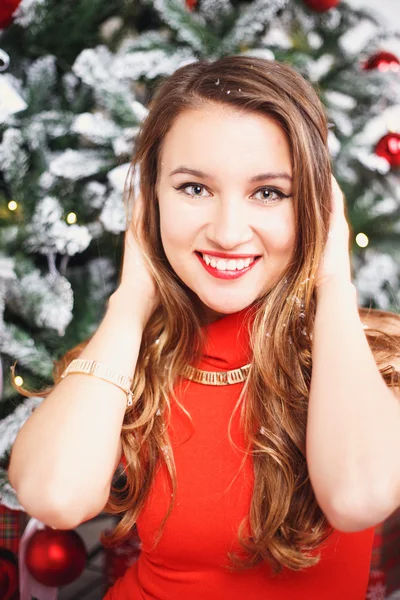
(389, 147)
(191, 4)
(55, 557)
(383, 61)
(7, 8)
(8, 575)
(321, 5)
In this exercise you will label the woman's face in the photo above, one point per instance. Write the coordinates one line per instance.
(238, 203)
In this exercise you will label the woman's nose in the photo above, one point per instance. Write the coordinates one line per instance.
(229, 227)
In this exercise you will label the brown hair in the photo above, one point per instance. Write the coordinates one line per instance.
(285, 519)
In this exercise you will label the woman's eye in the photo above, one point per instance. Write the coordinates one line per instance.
(271, 195)
(195, 186)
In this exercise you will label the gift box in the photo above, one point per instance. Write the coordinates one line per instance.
(120, 557)
(377, 587)
(12, 525)
(390, 551)
(385, 560)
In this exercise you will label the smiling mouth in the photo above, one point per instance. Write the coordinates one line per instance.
(227, 264)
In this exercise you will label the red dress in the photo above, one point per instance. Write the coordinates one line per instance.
(188, 562)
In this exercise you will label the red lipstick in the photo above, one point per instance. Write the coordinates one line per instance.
(227, 255)
(225, 274)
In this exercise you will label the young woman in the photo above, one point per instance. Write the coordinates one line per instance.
(260, 427)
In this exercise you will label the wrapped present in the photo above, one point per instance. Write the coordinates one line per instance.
(385, 561)
(8, 575)
(390, 553)
(377, 587)
(12, 526)
(120, 557)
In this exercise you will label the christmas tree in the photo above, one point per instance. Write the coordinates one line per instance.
(72, 98)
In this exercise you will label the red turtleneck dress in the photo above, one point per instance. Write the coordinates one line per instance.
(188, 563)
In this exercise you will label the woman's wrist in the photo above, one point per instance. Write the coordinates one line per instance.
(126, 307)
(345, 285)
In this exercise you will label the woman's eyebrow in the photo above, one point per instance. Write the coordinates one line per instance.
(260, 177)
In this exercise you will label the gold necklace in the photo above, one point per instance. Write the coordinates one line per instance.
(216, 377)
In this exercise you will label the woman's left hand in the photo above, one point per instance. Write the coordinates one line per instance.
(335, 264)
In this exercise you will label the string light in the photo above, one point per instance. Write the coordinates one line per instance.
(12, 205)
(362, 240)
(18, 380)
(71, 218)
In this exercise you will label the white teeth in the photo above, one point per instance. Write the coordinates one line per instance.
(221, 264)
(227, 265)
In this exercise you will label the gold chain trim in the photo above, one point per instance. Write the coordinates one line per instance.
(216, 377)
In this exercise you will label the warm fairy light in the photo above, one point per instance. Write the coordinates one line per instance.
(12, 205)
(362, 240)
(71, 218)
(18, 380)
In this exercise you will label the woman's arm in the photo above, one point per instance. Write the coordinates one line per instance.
(64, 457)
(353, 429)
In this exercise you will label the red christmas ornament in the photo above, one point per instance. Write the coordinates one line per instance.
(389, 147)
(321, 5)
(55, 557)
(7, 8)
(8, 575)
(191, 4)
(383, 61)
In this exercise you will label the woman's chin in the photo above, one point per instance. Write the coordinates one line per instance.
(219, 309)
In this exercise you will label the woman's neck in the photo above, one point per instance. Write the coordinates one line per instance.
(211, 315)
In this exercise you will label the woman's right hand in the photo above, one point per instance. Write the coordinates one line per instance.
(137, 286)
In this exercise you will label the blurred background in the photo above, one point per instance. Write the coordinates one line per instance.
(75, 83)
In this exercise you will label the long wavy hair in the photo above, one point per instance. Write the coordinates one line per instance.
(285, 521)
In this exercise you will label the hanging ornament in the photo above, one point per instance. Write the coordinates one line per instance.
(8, 575)
(55, 557)
(28, 586)
(10, 101)
(7, 9)
(383, 61)
(321, 5)
(389, 147)
(191, 4)
(4, 60)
